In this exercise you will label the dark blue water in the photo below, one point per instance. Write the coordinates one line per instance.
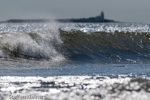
(45, 68)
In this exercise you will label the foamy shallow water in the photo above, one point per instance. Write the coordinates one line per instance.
(74, 88)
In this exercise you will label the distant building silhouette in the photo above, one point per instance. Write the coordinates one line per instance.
(102, 15)
(97, 19)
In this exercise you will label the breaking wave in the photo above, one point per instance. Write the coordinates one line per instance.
(75, 45)
(37, 45)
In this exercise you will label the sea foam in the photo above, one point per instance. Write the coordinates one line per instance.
(31, 43)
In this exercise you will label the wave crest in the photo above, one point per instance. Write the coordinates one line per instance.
(39, 45)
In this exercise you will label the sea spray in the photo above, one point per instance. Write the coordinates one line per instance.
(34, 44)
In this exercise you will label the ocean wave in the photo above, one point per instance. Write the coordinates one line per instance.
(37, 45)
(106, 47)
(75, 45)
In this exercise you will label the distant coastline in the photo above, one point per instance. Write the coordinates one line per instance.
(86, 20)
(98, 19)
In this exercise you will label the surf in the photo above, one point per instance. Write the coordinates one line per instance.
(54, 43)
(75, 45)
(37, 45)
(106, 47)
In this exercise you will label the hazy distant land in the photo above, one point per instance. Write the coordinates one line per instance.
(98, 19)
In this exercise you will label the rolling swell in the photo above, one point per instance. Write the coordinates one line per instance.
(117, 47)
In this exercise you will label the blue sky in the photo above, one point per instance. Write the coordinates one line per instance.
(121, 10)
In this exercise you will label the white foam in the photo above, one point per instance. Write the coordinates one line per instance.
(40, 45)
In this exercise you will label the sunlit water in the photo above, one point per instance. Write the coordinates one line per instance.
(34, 66)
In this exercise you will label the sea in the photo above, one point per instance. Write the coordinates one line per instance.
(74, 61)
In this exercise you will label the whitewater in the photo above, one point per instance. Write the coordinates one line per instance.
(74, 61)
